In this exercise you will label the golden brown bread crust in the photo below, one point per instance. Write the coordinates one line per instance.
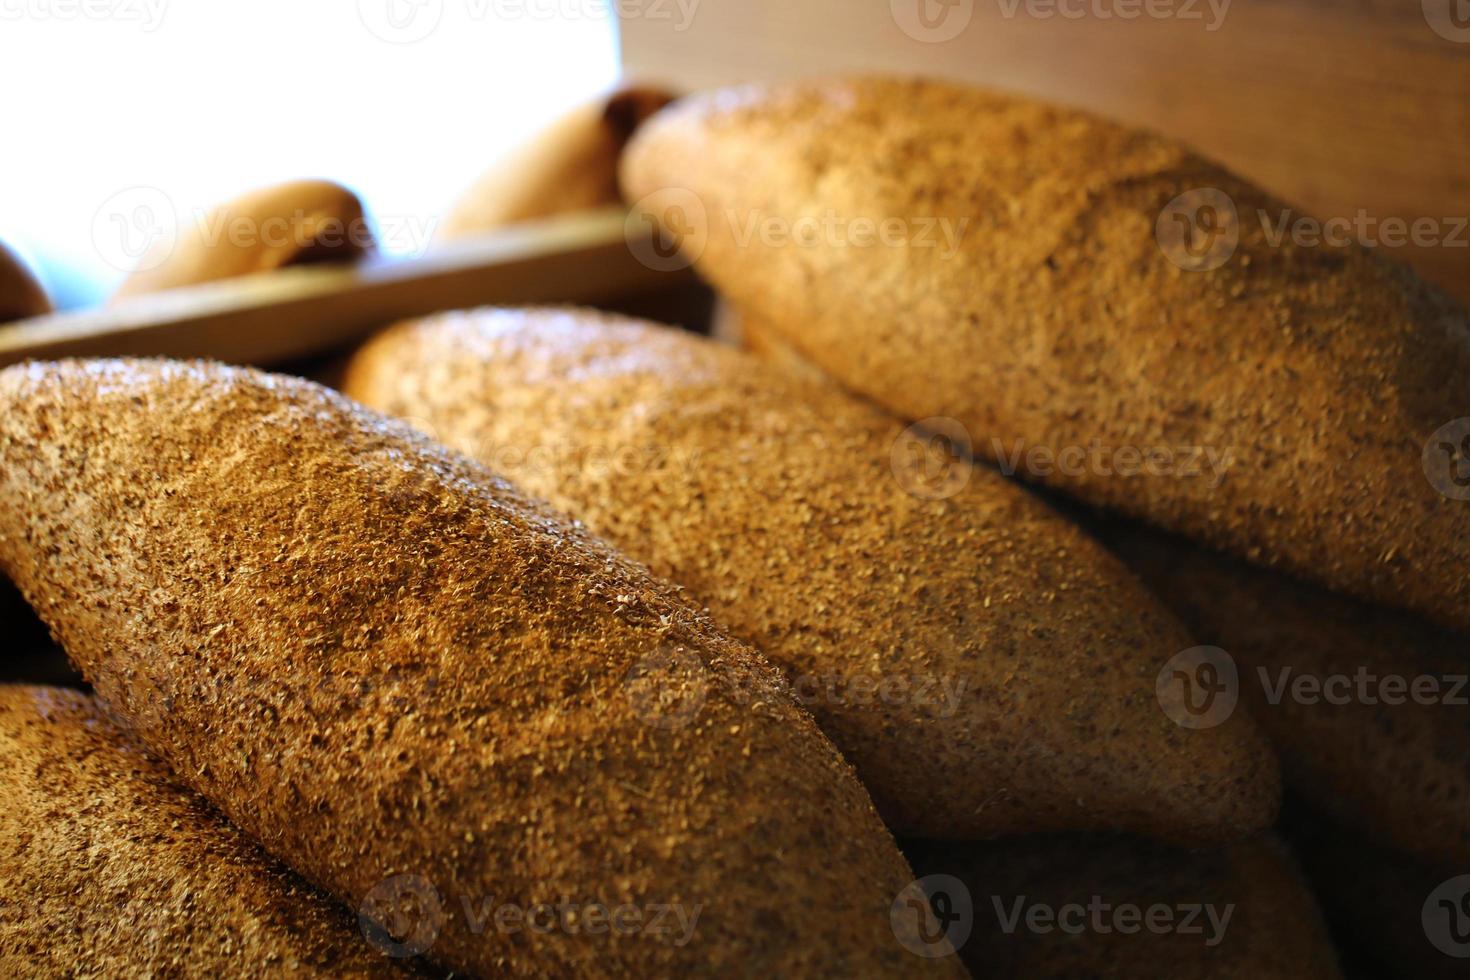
(296, 223)
(112, 869)
(379, 660)
(21, 295)
(1395, 773)
(570, 166)
(1275, 931)
(1057, 320)
(775, 503)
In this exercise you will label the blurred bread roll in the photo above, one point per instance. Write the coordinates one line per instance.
(570, 166)
(301, 222)
(21, 293)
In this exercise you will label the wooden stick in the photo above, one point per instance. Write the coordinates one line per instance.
(269, 318)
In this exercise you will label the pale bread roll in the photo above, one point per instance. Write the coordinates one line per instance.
(296, 223)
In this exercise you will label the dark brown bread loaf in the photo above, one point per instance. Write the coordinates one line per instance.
(1111, 908)
(112, 869)
(21, 295)
(296, 223)
(1029, 292)
(1366, 706)
(570, 166)
(986, 667)
(401, 677)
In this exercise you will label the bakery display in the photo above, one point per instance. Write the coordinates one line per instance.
(300, 222)
(1065, 285)
(938, 638)
(379, 660)
(113, 867)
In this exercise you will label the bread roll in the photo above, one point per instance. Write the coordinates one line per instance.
(986, 667)
(1094, 906)
(400, 676)
(1367, 707)
(112, 869)
(297, 223)
(570, 166)
(21, 295)
(1019, 268)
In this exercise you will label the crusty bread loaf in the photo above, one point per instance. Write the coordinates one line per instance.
(387, 666)
(300, 222)
(1322, 672)
(21, 294)
(1125, 909)
(1017, 660)
(1028, 291)
(112, 869)
(572, 165)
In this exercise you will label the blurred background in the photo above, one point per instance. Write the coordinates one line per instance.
(180, 104)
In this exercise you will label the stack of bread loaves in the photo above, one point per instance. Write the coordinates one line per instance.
(567, 644)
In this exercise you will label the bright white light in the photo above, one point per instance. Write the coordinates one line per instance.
(203, 99)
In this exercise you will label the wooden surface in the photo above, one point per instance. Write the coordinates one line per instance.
(1335, 106)
(297, 312)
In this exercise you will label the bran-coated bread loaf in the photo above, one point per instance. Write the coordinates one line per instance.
(986, 666)
(113, 869)
(400, 676)
(300, 222)
(1058, 907)
(1050, 280)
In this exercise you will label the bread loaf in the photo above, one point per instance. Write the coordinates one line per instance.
(1367, 707)
(301, 222)
(420, 690)
(1024, 270)
(112, 869)
(1067, 906)
(570, 166)
(21, 296)
(986, 667)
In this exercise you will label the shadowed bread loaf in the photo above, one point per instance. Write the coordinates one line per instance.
(986, 666)
(1020, 268)
(1113, 908)
(112, 869)
(400, 676)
